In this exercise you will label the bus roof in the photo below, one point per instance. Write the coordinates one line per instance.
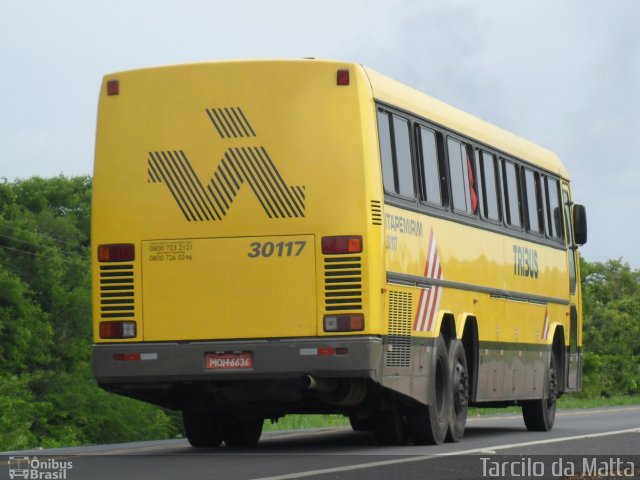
(397, 94)
(390, 91)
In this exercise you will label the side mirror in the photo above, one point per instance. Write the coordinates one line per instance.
(579, 224)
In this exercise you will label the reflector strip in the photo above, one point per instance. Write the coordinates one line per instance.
(126, 357)
(326, 351)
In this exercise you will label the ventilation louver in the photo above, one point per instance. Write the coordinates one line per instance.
(399, 338)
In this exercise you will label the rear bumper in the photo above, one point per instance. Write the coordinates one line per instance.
(272, 359)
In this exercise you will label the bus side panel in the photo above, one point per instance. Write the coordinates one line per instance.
(513, 288)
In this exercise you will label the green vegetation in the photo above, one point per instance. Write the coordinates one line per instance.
(297, 422)
(48, 396)
(611, 299)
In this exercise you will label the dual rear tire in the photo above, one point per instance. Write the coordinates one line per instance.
(209, 430)
(444, 418)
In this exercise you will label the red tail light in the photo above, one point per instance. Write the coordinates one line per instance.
(121, 252)
(342, 77)
(116, 330)
(113, 87)
(342, 244)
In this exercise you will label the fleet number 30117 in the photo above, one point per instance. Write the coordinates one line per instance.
(280, 249)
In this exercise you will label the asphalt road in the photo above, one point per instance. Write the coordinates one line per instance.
(601, 442)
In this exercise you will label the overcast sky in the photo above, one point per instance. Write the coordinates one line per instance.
(564, 74)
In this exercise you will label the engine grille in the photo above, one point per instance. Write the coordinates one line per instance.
(399, 327)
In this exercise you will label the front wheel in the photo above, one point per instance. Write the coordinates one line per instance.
(539, 415)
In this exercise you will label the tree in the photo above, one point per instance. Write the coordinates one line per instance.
(611, 298)
(48, 396)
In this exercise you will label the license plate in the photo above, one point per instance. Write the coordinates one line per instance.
(229, 361)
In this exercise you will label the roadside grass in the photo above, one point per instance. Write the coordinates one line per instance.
(567, 402)
(575, 401)
(300, 422)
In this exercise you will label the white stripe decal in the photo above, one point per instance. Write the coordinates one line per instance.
(432, 318)
(429, 302)
(545, 328)
(424, 295)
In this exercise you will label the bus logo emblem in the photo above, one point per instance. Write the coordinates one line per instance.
(212, 199)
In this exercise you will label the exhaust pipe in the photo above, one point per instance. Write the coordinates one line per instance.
(343, 393)
(319, 384)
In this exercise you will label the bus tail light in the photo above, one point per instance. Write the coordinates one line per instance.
(119, 252)
(342, 77)
(343, 323)
(341, 244)
(113, 87)
(115, 330)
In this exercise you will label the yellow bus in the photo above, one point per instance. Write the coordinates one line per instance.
(306, 236)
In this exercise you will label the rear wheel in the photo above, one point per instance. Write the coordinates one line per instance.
(242, 432)
(389, 427)
(459, 391)
(539, 415)
(428, 423)
(360, 424)
(203, 429)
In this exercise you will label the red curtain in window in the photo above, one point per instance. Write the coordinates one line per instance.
(472, 188)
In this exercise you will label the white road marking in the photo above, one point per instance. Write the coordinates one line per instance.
(423, 458)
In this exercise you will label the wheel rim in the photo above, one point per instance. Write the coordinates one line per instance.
(460, 388)
(553, 388)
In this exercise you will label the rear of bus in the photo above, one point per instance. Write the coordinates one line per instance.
(236, 238)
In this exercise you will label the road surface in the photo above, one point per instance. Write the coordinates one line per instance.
(603, 442)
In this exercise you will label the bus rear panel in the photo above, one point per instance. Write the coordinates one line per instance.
(234, 227)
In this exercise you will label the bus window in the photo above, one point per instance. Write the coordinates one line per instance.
(531, 195)
(544, 208)
(487, 185)
(386, 154)
(430, 166)
(511, 193)
(403, 156)
(554, 213)
(395, 152)
(462, 180)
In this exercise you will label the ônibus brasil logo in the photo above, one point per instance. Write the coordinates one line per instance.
(211, 199)
(37, 469)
